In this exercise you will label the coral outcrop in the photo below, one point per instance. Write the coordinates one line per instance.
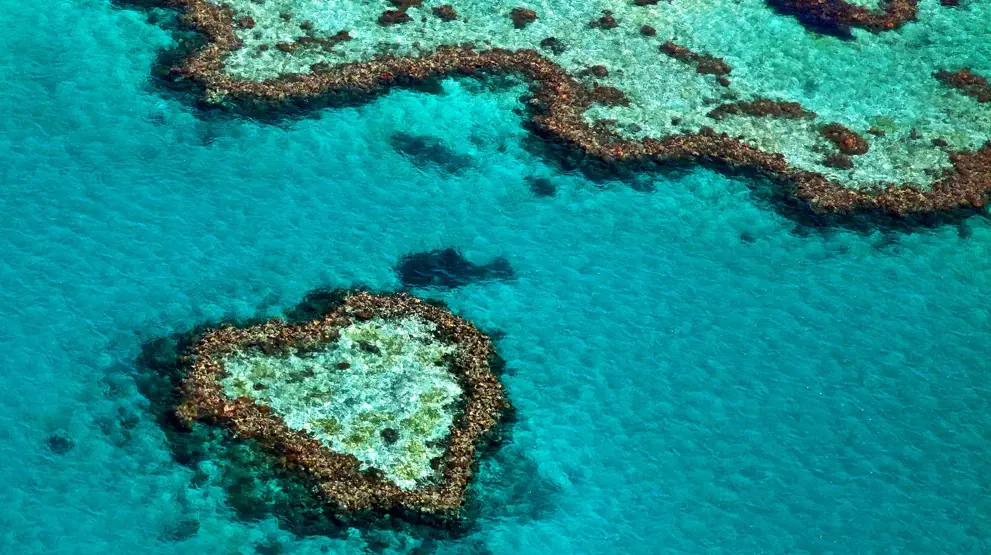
(380, 403)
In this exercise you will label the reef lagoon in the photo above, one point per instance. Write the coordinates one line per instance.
(717, 344)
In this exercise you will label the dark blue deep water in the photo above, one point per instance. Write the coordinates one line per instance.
(693, 372)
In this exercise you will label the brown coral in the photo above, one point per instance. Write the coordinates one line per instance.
(839, 13)
(704, 63)
(967, 82)
(761, 107)
(336, 477)
(557, 107)
(445, 12)
(522, 17)
(847, 140)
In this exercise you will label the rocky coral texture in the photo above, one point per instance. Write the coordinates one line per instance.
(381, 403)
(666, 94)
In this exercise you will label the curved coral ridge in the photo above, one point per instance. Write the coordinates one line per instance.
(379, 378)
(380, 403)
(926, 151)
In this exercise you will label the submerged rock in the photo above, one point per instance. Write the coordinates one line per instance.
(394, 17)
(835, 17)
(445, 12)
(522, 17)
(448, 268)
(967, 82)
(554, 45)
(253, 66)
(846, 140)
(542, 187)
(59, 443)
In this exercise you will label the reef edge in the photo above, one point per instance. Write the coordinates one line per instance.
(337, 478)
(556, 107)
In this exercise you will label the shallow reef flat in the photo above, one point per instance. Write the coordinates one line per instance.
(380, 403)
(849, 106)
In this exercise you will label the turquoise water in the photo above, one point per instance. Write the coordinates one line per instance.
(693, 372)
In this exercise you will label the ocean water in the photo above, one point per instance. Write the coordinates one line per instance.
(693, 371)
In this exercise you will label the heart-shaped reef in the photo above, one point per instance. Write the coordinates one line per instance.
(381, 403)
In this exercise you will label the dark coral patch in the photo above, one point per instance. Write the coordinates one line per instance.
(761, 107)
(838, 161)
(967, 82)
(599, 71)
(837, 16)
(394, 17)
(426, 151)
(542, 187)
(390, 436)
(847, 140)
(554, 45)
(522, 17)
(445, 12)
(704, 63)
(610, 96)
(607, 21)
(448, 268)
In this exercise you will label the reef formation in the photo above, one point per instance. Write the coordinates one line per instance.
(380, 404)
(839, 15)
(633, 83)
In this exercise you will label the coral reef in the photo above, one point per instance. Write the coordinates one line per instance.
(899, 180)
(522, 17)
(848, 141)
(445, 12)
(839, 14)
(704, 63)
(761, 107)
(967, 82)
(380, 404)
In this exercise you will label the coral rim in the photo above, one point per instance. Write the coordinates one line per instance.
(338, 478)
(558, 103)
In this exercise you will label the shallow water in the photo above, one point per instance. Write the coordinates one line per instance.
(693, 372)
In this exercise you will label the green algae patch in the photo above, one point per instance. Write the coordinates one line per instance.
(381, 403)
